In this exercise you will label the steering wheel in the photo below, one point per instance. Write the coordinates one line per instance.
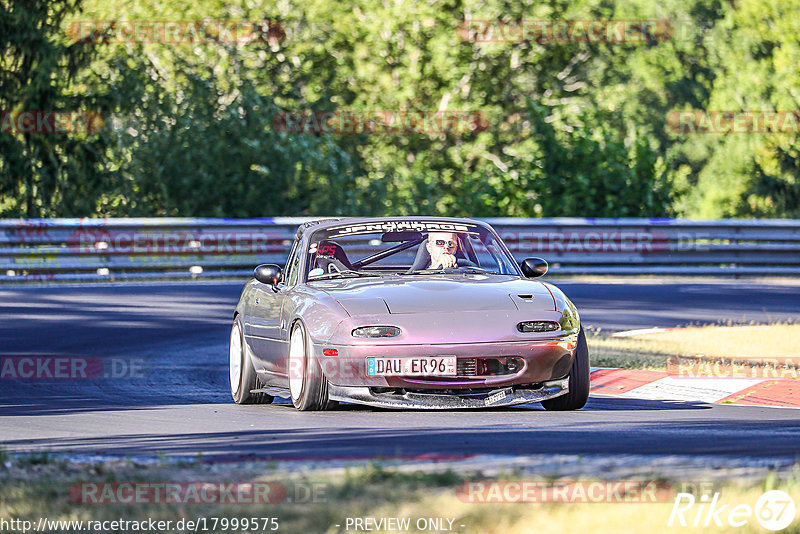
(461, 263)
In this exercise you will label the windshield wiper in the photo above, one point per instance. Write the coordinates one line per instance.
(430, 271)
(452, 270)
(477, 270)
(346, 273)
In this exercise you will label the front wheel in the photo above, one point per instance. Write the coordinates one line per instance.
(241, 373)
(307, 384)
(578, 393)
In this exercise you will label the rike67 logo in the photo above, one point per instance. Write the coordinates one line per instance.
(774, 510)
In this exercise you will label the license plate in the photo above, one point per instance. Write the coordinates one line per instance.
(416, 366)
(497, 396)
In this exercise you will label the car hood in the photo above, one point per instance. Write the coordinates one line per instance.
(438, 293)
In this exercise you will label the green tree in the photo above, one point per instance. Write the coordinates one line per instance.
(754, 53)
(572, 128)
(47, 174)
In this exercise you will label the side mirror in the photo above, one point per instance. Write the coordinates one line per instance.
(268, 274)
(534, 267)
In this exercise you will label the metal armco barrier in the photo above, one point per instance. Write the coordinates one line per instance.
(125, 249)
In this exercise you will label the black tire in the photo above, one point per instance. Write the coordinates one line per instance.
(247, 377)
(578, 381)
(310, 393)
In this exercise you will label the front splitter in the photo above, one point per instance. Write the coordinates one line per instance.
(440, 401)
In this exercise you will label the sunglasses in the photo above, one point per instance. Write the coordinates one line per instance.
(442, 242)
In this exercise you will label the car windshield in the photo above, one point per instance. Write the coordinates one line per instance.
(405, 248)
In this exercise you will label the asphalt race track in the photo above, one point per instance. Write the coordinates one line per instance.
(174, 336)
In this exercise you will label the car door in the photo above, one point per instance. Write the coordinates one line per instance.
(267, 338)
(280, 355)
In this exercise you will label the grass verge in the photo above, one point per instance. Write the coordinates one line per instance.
(30, 491)
(757, 344)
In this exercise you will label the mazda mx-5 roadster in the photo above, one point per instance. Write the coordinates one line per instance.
(406, 312)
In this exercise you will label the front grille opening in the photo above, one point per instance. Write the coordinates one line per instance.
(461, 392)
(508, 365)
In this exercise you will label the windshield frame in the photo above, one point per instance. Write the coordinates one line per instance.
(311, 233)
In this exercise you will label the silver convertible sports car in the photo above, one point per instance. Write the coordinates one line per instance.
(406, 312)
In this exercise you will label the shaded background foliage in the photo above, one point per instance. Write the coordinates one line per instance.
(575, 129)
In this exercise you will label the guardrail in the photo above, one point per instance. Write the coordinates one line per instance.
(91, 249)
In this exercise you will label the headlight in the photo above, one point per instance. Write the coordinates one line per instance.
(538, 326)
(376, 331)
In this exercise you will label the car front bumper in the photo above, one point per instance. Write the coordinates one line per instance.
(543, 360)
